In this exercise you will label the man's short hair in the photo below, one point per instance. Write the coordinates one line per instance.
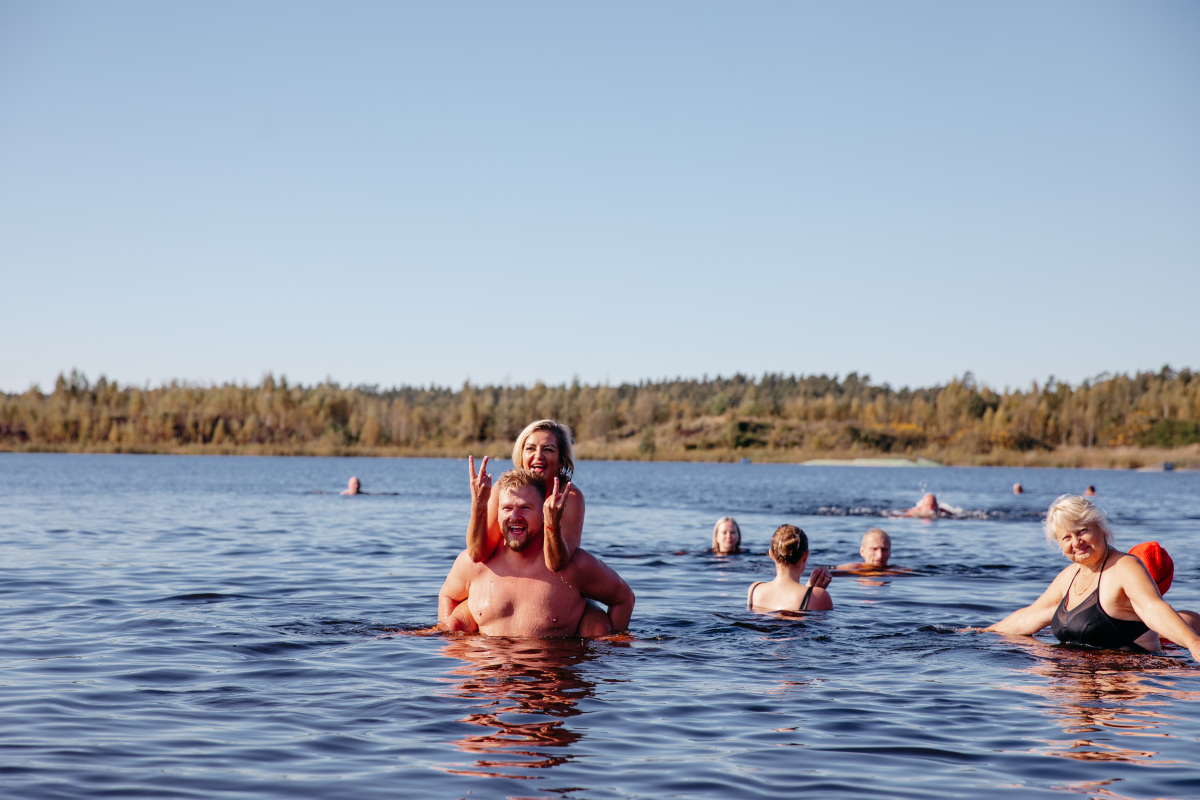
(880, 532)
(517, 479)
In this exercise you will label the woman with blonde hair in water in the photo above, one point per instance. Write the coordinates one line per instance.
(727, 537)
(547, 448)
(789, 551)
(1105, 598)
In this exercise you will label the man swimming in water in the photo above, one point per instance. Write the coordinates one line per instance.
(353, 486)
(927, 508)
(876, 549)
(514, 593)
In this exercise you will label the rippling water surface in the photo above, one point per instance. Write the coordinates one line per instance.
(214, 627)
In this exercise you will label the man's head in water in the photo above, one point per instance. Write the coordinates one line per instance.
(1090, 491)
(928, 503)
(521, 493)
(1018, 488)
(353, 486)
(876, 548)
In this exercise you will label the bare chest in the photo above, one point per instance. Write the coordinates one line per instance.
(542, 606)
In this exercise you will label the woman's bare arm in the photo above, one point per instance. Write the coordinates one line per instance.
(1031, 619)
(483, 532)
(1153, 610)
(562, 539)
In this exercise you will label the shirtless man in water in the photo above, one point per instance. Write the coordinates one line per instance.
(514, 593)
(927, 508)
(876, 549)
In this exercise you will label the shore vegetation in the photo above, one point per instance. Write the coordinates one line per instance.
(1124, 421)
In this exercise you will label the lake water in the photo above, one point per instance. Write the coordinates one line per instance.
(197, 627)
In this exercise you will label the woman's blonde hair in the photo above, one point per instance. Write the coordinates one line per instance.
(736, 529)
(566, 445)
(789, 544)
(1070, 512)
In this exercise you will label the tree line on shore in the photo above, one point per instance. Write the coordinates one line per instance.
(777, 416)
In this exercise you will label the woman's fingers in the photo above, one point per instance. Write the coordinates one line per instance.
(482, 467)
(471, 465)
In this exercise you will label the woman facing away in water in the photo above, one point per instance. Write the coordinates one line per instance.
(789, 551)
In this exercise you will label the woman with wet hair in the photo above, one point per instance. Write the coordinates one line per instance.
(1105, 598)
(727, 537)
(789, 551)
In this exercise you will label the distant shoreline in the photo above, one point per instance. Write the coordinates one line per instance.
(1114, 422)
(1182, 458)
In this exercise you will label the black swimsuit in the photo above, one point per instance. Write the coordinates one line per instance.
(803, 600)
(1087, 623)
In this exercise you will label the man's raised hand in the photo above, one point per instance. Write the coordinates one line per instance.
(552, 509)
(481, 484)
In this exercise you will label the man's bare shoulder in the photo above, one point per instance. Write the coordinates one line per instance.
(583, 561)
(465, 566)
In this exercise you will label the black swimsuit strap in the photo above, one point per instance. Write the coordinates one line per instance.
(753, 586)
(1067, 594)
(804, 602)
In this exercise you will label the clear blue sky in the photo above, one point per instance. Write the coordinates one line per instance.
(428, 193)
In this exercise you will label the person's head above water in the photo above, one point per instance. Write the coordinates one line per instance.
(876, 547)
(789, 545)
(353, 486)
(521, 495)
(1090, 491)
(727, 536)
(1018, 488)
(927, 503)
(547, 448)
(1071, 513)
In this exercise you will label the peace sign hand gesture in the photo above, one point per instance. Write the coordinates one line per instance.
(552, 509)
(481, 484)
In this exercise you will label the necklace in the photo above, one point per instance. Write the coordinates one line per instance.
(1089, 583)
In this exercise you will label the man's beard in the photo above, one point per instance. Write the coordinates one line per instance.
(518, 544)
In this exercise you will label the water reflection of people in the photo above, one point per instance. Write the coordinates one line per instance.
(509, 678)
(353, 486)
(1095, 697)
(727, 536)
(1106, 598)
